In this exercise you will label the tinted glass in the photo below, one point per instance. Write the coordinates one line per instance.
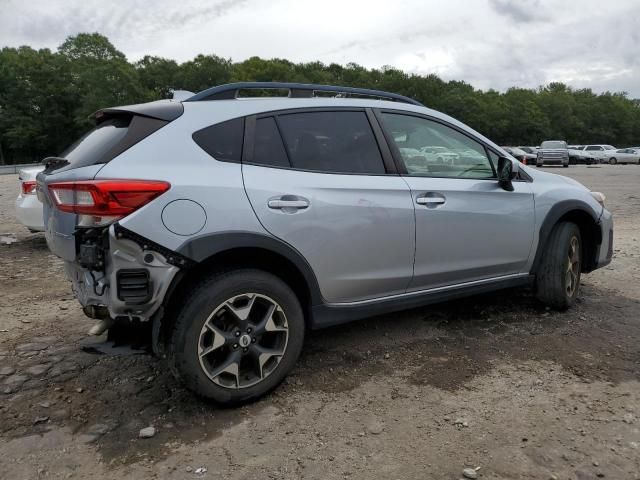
(269, 149)
(429, 148)
(340, 142)
(92, 147)
(223, 141)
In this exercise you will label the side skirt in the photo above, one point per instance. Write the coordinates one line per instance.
(327, 315)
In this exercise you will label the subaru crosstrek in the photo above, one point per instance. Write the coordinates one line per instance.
(234, 225)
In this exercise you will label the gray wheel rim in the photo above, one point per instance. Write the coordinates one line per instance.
(572, 274)
(243, 340)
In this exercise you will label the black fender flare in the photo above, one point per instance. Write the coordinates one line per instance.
(556, 212)
(205, 246)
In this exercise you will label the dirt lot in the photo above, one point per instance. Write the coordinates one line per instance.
(494, 382)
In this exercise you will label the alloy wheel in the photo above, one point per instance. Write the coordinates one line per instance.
(572, 274)
(243, 340)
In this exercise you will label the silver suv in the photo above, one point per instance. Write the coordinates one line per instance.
(553, 152)
(234, 225)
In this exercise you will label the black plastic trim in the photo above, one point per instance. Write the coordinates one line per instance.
(296, 90)
(327, 315)
(553, 215)
(203, 247)
(141, 277)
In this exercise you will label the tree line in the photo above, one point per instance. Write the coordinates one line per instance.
(46, 97)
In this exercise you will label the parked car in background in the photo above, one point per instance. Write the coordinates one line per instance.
(28, 207)
(236, 226)
(553, 152)
(532, 150)
(440, 154)
(518, 154)
(624, 155)
(577, 155)
(600, 153)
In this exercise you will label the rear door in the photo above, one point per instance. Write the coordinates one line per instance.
(317, 180)
(467, 227)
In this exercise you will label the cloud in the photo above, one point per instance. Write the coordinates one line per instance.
(522, 11)
(487, 43)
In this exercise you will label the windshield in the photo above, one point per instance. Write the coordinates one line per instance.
(554, 144)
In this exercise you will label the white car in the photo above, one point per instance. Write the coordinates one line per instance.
(624, 155)
(600, 153)
(28, 207)
(440, 154)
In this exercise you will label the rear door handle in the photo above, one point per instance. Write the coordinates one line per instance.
(288, 202)
(431, 199)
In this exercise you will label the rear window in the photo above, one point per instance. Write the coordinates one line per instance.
(93, 146)
(107, 140)
(333, 142)
(554, 144)
(269, 149)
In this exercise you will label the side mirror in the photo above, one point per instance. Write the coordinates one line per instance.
(506, 173)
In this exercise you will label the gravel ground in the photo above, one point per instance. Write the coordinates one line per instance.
(495, 383)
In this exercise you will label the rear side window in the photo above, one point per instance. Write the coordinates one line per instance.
(269, 149)
(336, 142)
(223, 141)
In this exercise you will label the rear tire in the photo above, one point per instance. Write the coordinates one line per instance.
(565, 166)
(237, 335)
(558, 276)
(612, 161)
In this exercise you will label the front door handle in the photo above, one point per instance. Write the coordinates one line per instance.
(288, 202)
(431, 200)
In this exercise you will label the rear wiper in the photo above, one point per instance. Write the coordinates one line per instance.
(54, 163)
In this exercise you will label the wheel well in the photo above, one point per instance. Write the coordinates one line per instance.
(243, 257)
(590, 234)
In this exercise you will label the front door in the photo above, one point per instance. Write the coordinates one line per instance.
(467, 227)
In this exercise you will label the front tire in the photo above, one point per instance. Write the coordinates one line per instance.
(237, 336)
(612, 161)
(558, 276)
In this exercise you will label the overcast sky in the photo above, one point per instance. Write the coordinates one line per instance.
(488, 43)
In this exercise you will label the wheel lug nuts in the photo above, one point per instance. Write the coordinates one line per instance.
(245, 350)
(253, 340)
(238, 333)
(235, 345)
(249, 330)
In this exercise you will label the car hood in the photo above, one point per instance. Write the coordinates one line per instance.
(553, 178)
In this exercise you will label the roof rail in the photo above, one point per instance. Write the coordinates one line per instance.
(296, 90)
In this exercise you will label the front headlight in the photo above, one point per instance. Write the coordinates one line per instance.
(599, 197)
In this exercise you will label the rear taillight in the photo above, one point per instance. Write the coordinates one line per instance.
(29, 187)
(100, 202)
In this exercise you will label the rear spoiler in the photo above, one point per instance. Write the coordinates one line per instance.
(165, 110)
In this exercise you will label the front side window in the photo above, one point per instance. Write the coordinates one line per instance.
(335, 142)
(429, 148)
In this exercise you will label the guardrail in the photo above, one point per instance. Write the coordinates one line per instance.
(12, 169)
